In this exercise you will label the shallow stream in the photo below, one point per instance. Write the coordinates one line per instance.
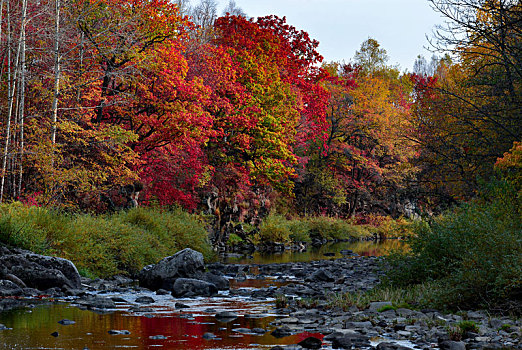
(162, 325)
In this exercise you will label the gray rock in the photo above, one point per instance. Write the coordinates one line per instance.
(405, 334)
(181, 306)
(391, 346)
(144, 300)
(66, 322)
(311, 343)
(92, 301)
(219, 281)
(156, 337)
(375, 306)
(188, 287)
(209, 335)
(452, 345)
(242, 330)
(359, 325)
(15, 280)
(320, 275)
(348, 341)
(39, 271)
(8, 288)
(281, 332)
(187, 263)
(226, 316)
(118, 299)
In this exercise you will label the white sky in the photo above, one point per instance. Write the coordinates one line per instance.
(400, 26)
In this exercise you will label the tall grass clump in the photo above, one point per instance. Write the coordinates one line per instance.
(335, 229)
(277, 228)
(385, 227)
(17, 227)
(103, 245)
(474, 252)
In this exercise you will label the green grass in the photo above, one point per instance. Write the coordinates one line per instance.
(417, 296)
(277, 228)
(103, 245)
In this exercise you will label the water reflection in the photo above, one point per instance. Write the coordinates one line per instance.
(332, 251)
(163, 326)
(32, 328)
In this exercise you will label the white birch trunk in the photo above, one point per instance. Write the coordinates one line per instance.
(56, 90)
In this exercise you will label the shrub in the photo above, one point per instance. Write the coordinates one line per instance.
(475, 252)
(275, 228)
(17, 227)
(332, 228)
(281, 301)
(468, 326)
(234, 239)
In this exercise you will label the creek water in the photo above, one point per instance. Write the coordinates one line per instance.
(327, 251)
(161, 325)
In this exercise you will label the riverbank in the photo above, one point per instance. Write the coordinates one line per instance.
(271, 304)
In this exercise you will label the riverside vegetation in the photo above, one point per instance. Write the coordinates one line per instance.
(470, 257)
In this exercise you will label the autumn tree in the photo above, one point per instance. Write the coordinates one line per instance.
(266, 97)
(365, 160)
(472, 115)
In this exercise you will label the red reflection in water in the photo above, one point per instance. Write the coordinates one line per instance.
(187, 334)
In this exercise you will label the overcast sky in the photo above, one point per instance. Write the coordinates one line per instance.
(400, 26)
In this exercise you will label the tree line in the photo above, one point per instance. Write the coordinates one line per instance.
(235, 116)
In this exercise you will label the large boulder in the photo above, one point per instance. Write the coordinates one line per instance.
(188, 287)
(38, 271)
(187, 263)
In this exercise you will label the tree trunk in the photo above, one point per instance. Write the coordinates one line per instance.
(56, 90)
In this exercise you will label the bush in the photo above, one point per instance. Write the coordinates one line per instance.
(386, 227)
(331, 228)
(17, 229)
(103, 245)
(276, 228)
(475, 252)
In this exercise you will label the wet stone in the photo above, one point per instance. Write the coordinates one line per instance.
(311, 343)
(226, 316)
(145, 300)
(281, 332)
(66, 322)
(157, 337)
(118, 332)
(209, 335)
(181, 306)
(391, 346)
(118, 300)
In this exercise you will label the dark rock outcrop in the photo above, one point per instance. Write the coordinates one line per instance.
(187, 263)
(42, 272)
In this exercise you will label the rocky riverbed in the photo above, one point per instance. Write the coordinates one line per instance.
(272, 305)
